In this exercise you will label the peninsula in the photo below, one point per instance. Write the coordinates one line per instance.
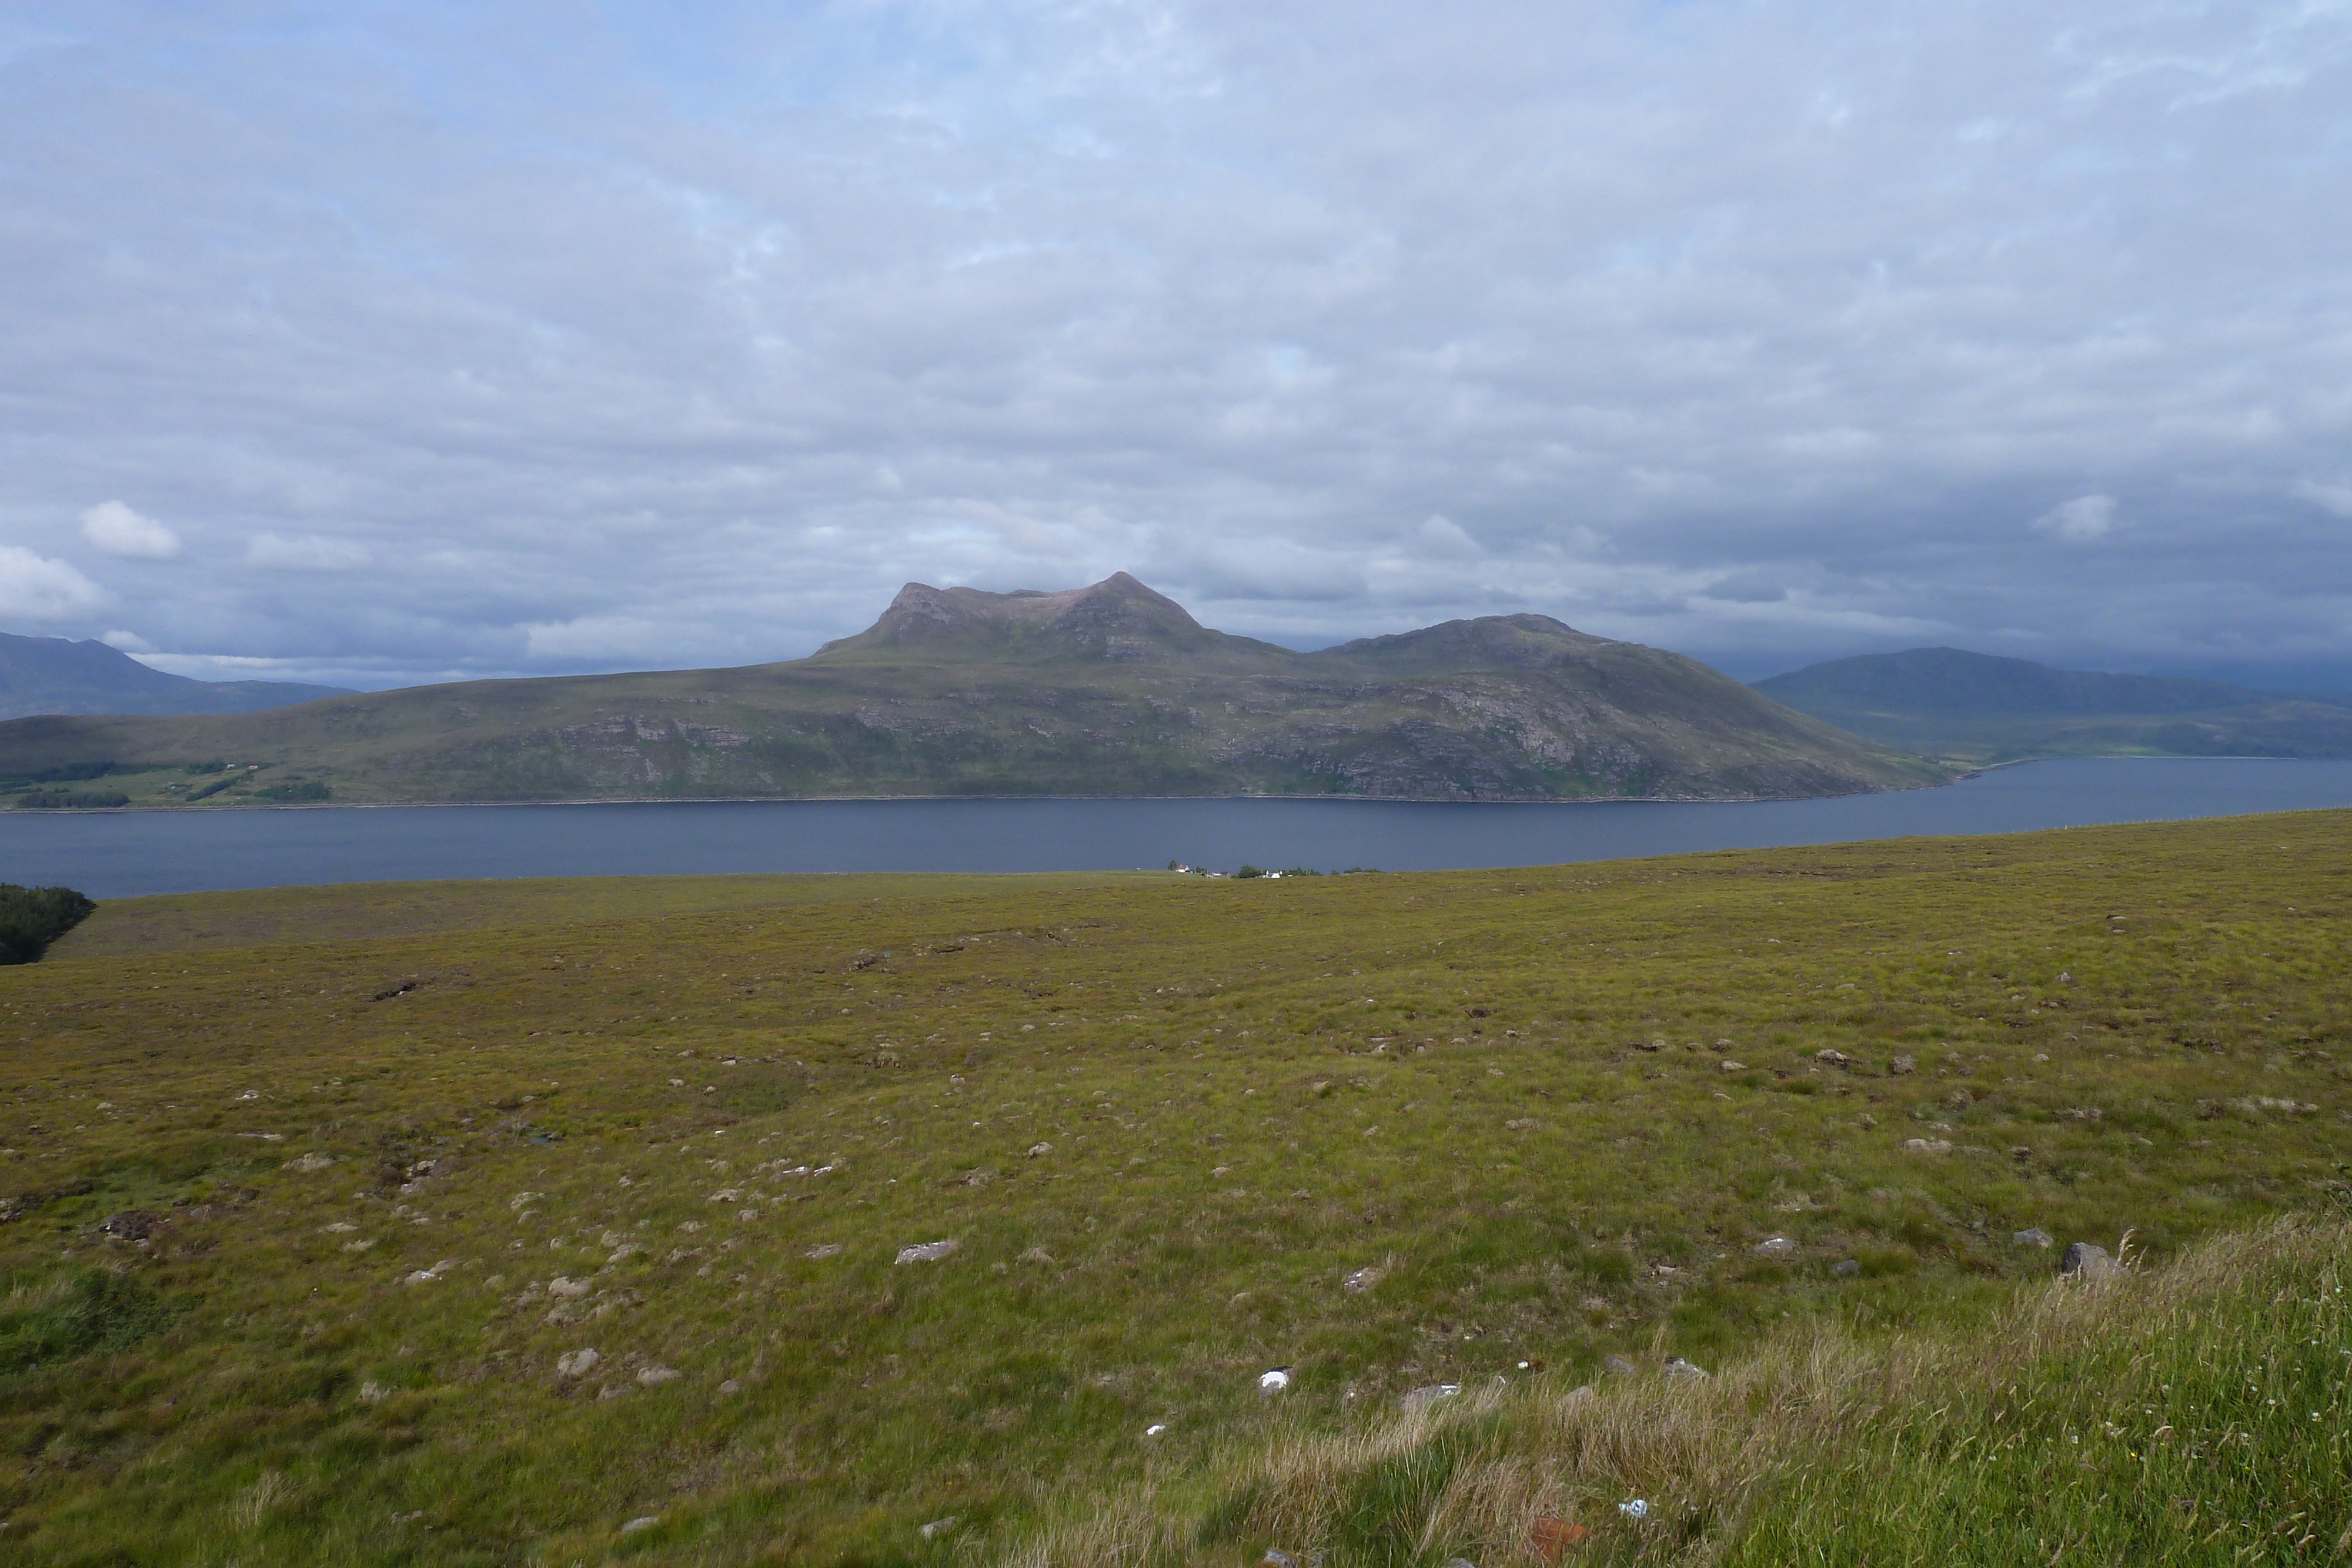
(1112, 689)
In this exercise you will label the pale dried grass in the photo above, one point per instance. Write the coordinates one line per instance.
(1498, 1459)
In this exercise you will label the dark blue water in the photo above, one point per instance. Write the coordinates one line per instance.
(121, 854)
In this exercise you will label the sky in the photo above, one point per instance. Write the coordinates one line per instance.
(379, 344)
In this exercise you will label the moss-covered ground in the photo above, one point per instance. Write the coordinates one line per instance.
(378, 1158)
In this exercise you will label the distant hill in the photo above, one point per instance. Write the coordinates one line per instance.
(1946, 702)
(1107, 690)
(56, 675)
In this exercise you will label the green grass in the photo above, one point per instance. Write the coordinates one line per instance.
(1505, 1092)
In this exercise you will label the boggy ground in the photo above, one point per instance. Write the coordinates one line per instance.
(405, 1148)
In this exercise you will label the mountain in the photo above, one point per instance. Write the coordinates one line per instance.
(1107, 690)
(1949, 703)
(55, 675)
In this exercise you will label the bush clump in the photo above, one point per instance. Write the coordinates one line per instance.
(33, 917)
(40, 798)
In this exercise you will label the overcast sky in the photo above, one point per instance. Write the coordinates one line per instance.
(386, 343)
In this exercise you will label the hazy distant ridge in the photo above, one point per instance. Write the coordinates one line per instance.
(55, 675)
(1948, 702)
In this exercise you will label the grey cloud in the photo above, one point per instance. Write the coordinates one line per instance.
(448, 341)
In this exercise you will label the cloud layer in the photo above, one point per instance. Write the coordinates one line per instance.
(438, 340)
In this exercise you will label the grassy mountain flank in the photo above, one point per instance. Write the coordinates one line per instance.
(314, 1200)
(1107, 690)
(1948, 703)
(55, 675)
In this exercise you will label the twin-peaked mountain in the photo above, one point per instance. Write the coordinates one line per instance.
(1107, 690)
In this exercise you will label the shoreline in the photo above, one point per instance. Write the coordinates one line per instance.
(935, 800)
(1974, 772)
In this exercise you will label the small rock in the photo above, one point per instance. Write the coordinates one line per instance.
(1459, 1562)
(1684, 1370)
(1155, 1429)
(1036, 1255)
(1427, 1394)
(576, 1363)
(568, 1288)
(731, 1385)
(827, 1250)
(372, 1392)
(1845, 1268)
(1727, 1065)
(422, 1277)
(926, 1252)
(1037, 1149)
(1274, 1381)
(646, 1523)
(654, 1377)
(131, 1224)
(937, 1528)
(1617, 1366)
(2037, 1237)
(310, 1162)
(2089, 1262)
(1776, 1246)
(1577, 1395)
(1925, 1147)
(1903, 1064)
(1834, 1058)
(1364, 1279)
(1276, 1557)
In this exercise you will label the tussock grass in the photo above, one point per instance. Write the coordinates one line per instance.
(405, 1150)
(2191, 1414)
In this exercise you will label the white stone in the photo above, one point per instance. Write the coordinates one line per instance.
(926, 1252)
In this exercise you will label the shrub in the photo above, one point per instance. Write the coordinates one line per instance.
(33, 917)
(39, 798)
(309, 790)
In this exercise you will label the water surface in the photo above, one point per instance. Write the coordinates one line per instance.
(119, 854)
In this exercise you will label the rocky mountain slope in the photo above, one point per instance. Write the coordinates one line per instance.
(1106, 690)
(1948, 701)
(56, 675)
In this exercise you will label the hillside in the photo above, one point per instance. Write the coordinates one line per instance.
(54, 674)
(1106, 690)
(316, 1201)
(1946, 703)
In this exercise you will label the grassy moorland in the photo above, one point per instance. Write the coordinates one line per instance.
(377, 1160)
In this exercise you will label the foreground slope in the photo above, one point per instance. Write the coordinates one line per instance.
(374, 1169)
(55, 675)
(1107, 690)
(1948, 702)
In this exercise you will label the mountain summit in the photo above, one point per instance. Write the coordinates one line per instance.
(1111, 689)
(1116, 620)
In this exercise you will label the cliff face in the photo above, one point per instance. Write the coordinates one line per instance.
(1107, 690)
